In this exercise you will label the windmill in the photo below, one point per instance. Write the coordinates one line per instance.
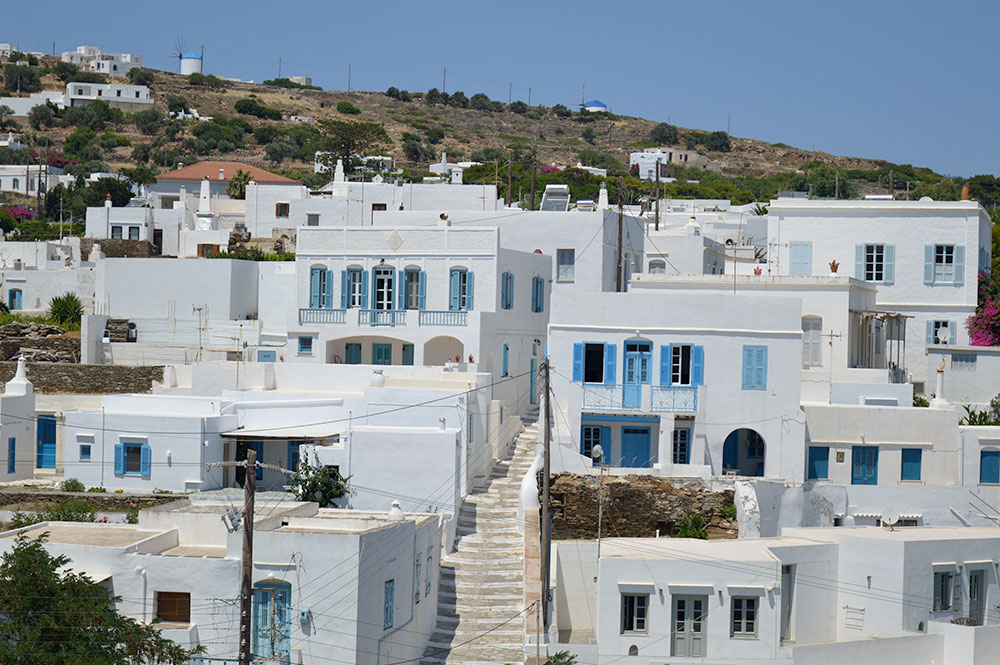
(180, 48)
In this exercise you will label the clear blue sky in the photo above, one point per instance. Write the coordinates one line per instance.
(911, 82)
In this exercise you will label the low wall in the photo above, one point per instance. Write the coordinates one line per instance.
(102, 501)
(114, 248)
(67, 378)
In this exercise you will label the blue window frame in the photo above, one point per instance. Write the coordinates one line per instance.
(682, 445)
(590, 436)
(864, 465)
(989, 467)
(353, 352)
(320, 288)
(14, 299)
(293, 456)
(305, 344)
(594, 362)
(461, 290)
(506, 359)
(537, 294)
(407, 354)
(754, 367)
(910, 464)
(84, 452)
(11, 454)
(682, 365)
(944, 264)
(507, 290)
(132, 459)
(389, 604)
(819, 463)
(353, 288)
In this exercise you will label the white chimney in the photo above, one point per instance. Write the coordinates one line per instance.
(395, 513)
(602, 198)
(204, 197)
(19, 385)
(222, 174)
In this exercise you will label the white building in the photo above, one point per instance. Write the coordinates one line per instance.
(452, 170)
(103, 62)
(81, 94)
(28, 179)
(21, 106)
(924, 256)
(18, 455)
(647, 160)
(685, 386)
(351, 586)
(812, 596)
(191, 63)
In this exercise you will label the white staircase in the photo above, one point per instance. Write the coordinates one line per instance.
(482, 583)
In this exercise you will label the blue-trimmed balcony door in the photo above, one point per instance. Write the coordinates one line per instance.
(272, 621)
(635, 447)
(638, 356)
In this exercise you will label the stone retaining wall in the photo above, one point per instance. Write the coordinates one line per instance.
(70, 379)
(116, 247)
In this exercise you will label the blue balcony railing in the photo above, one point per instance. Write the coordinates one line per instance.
(608, 397)
(444, 318)
(674, 399)
(382, 317)
(311, 315)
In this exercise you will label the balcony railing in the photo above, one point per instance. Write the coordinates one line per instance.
(382, 317)
(603, 396)
(674, 399)
(310, 315)
(444, 318)
(210, 660)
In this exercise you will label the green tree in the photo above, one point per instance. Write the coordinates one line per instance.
(346, 140)
(718, 141)
(519, 107)
(139, 76)
(237, 187)
(314, 482)
(434, 135)
(458, 100)
(21, 78)
(589, 135)
(7, 221)
(562, 111)
(42, 597)
(97, 192)
(149, 122)
(40, 116)
(177, 103)
(81, 145)
(665, 134)
(7, 118)
(255, 108)
(347, 108)
(140, 175)
(281, 149)
(480, 102)
(432, 96)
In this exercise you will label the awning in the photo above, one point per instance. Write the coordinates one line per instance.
(289, 432)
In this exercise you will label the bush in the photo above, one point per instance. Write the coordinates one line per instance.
(729, 511)
(589, 135)
(562, 111)
(21, 78)
(72, 485)
(519, 107)
(66, 309)
(281, 149)
(434, 135)
(211, 81)
(348, 108)
(64, 71)
(139, 76)
(70, 510)
(177, 104)
(265, 134)
(89, 77)
(149, 122)
(432, 96)
(288, 83)
(97, 490)
(256, 109)
(692, 526)
(458, 100)
(81, 145)
(141, 153)
(40, 116)
(665, 134)
(392, 92)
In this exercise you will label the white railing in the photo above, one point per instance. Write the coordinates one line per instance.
(444, 318)
(603, 396)
(675, 399)
(311, 315)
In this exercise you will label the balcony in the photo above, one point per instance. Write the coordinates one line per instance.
(633, 397)
(308, 315)
(382, 317)
(444, 318)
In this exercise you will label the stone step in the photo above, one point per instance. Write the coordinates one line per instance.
(470, 653)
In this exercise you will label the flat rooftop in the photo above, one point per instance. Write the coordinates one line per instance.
(908, 533)
(92, 534)
(756, 549)
(333, 520)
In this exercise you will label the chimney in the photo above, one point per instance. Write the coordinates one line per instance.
(107, 200)
(222, 174)
(443, 220)
(19, 385)
(180, 165)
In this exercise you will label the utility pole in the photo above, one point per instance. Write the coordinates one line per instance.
(279, 68)
(529, 96)
(836, 185)
(621, 214)
(657, 195)
(892, 182)
(510, 89)
(348, 77)
(444, 80)
(510, 168)
(546, 506)
(246, 583)
(729, 121)
(531, 206)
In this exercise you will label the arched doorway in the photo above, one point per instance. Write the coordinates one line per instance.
(743, 453)
(439, 350)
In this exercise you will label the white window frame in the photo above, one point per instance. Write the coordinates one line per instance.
(874, 262)
(657, 266)
(944, 264)
(748, 607)
(354, 279)
(565, 270)
(590, 436)
(631, 606)
(680, 359)
(944, 581)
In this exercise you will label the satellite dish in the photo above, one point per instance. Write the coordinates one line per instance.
(889, 516)
(943, 334)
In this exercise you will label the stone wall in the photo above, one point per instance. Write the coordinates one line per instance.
(116, 247)
(635, 506)
(38, 342)
(109, 501)
(65, 378)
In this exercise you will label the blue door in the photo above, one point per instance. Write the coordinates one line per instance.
(353, 354)
(266, 356)
(531, 388)
(864, 465)
(272, 621)
(14, 299)
(638, 357)
(46, 451)
(635, 447)
(381, 354)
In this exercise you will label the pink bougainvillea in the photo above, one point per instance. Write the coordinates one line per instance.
(984, 325)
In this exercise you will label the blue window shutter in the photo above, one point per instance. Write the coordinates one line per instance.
(578, 362)
(470, 290)
(506, 357)
(144, 459)
(374, 290)
(889, 264)
(697, 365)
(665, 353)
(952, 333)
(928, 264)
(328, 294)
(504, 291)
(119, 459)
(422, 290)
(819, 463)
(605, 442)
(859, 261)
(400, 284)
(364, 289)
(510, 291)
(534, 294)
(989, 466)
(314, 295)
(959, 264)
(541, 294)
(930, 332)
(454, 293)
(609, 364)
(910, 466)
(800, 254)
(747, 367)
(345, 289)
(761, 368)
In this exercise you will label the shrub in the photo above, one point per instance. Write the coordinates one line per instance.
(589, 135)
(177, 103)
(665, 134)
(729, 511)
(434, 135)
(315, 482)
(480, 102)
(458, 100)
(40, 116)
(72, 485)
(89, 77)
(66, 309)
(692, 526)
(255, 108)
(64, 71)
(288, 83)
(562, 111)
(432, 96)
(265, 134)
(81, 146)
(70, 510)
(392, 92)
(348, 108)
(149, 122)
(139, 76)
(519, 107)
(97, 490)
(281, 149)
(21, 78)
(211, 81)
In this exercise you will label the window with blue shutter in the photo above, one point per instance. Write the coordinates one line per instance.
(537, 294)
(665, 364)
(345, 289)
(697, 365)
(928, 264)
(578, 361)
(305, 344)
(944, 264)
(119, 459)
(889, 268)
(470, 290)
(146, 460)
(461, 291)
(801, 258)
(910, 464)
(754, 367)
(989, 467)
(422, 291)
(389, 604)
(11, 454)
(507, 290)
(818, 463)
(859, 261)
(132, 459)
(610, 351)
(506, 356)
(316, 276)
(363, 298)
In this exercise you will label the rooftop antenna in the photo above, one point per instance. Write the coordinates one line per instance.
(179, 47)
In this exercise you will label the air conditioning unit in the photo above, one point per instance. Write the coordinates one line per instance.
(18, 264)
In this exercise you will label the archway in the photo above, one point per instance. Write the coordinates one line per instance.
(439, 350)
(743, 453)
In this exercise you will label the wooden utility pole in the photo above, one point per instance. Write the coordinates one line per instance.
(510, 168)
(246, 584)
(531, 205)
(657, 195)
(621, 214)
(546, 505)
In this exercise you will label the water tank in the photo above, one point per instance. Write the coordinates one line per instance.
(190, 63)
